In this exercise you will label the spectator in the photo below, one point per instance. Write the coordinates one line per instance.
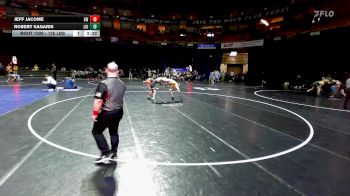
(2, 68)
(36, 67)
(54, 71)
(347, 92)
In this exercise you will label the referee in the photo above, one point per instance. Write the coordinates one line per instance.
(107, 112)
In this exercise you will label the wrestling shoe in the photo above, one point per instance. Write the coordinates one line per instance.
(114, 156)
(102, 159)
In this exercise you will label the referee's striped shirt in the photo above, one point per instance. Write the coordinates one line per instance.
(111, 91)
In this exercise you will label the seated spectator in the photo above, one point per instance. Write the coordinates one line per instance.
(36, 67)
(73, 73)
(15, 69)
(2, 69)
(121, 73)
(9, 69)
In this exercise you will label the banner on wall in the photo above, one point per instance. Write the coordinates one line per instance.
(242, 18)
(248, 17)
(49, 3)
(206, 46)
(244, 44)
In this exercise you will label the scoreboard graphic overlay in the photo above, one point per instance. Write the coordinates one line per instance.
(56, 26)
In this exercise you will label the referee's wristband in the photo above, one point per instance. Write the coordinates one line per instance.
(95, 113)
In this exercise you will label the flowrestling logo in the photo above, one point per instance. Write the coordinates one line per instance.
(319, 14)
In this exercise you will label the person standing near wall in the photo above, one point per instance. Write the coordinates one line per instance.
(54, 71)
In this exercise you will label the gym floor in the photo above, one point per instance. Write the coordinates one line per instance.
(219, 139)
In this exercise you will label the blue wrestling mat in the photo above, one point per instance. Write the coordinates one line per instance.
(15, 97)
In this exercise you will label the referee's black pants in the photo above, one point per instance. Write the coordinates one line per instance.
(111, 120)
